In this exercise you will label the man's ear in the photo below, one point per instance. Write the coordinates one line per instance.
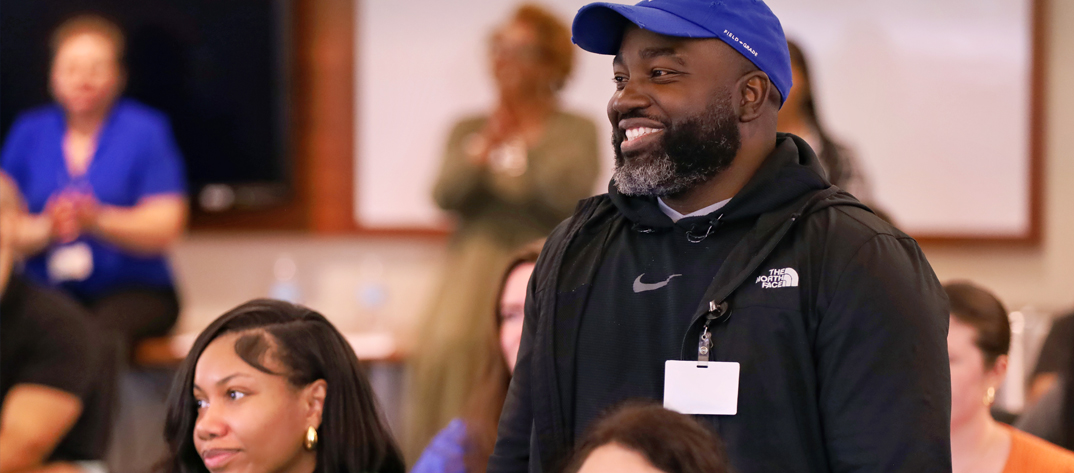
(313, 397)
(755, 91)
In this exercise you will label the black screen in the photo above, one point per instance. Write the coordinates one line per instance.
(217, 68)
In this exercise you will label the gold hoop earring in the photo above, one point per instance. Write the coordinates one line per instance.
(311, 438)
(990, 396)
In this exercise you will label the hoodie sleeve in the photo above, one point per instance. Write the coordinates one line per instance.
(881, 360)
(512, 452)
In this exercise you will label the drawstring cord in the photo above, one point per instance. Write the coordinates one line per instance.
(696, 238)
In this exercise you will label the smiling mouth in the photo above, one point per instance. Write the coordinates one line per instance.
(637, 137)
(217, 458)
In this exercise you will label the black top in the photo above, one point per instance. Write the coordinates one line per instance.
(46, 339)
(624, 340)
(843, 368)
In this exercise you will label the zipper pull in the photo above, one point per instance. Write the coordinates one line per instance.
(718, 313)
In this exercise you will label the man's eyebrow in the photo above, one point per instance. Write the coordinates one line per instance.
(649, 53)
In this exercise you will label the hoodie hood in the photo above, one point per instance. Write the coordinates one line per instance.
(791, 171)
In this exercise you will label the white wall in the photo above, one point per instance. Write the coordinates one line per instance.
(1042, 276)
(218, 272)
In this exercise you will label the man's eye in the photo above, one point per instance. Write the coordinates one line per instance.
(235, 395)
(660, 73)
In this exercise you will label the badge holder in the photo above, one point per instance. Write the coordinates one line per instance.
(703, 387)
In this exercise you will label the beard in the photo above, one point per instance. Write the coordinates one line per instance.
(691, 152)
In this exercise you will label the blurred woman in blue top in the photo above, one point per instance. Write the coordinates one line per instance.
(104, 183)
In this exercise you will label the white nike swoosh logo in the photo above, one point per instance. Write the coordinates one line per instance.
(642, 287)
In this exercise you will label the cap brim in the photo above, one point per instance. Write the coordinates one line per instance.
(598, 27)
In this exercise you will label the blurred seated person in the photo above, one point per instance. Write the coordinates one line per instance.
(1050, 414)
(509, 176)
(56, 380)
(978, 341)
(105, 187)
(1056, 356)
(646, 438)
(273, 387)
(799, 116)
(465, 444)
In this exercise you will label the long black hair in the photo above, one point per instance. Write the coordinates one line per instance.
(353, 436)
(833, 155)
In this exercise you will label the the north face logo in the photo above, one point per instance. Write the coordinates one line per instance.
(785, 277)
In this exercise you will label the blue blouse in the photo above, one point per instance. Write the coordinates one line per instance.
(136, 157)
(446, 453)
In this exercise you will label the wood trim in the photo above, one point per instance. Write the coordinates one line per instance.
(1038, 84)
(330, 137)
(1037, 120)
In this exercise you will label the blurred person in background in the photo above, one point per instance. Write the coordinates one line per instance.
(104, 183)
(977, 344)
(1050, 408)
(509, 177)
(465, 444)
(1056, 358)
(799, 116)
(646, 438)
(273, 387)
(56, 379)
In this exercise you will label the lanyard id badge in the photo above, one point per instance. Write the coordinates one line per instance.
(72, 262)
(709, 387)
(703, 387)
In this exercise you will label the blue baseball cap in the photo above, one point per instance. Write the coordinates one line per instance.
(749, 26)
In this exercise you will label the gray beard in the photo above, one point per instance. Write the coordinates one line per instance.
(656, 178)
(692, 152)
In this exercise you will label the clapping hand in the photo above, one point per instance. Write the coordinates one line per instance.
(72, 213)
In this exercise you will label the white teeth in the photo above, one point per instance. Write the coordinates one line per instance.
(633, 133)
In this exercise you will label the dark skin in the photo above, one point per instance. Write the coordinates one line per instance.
(663, 79)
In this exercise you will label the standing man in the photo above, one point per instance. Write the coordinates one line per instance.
(724, 275)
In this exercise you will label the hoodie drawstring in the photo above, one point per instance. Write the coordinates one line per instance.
(693, 237)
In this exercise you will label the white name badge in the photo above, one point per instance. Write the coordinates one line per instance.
(709, 388)
(72, 262)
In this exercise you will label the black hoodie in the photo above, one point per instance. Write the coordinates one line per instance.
(843, 366)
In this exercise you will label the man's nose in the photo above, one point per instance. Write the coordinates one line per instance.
(630, 97)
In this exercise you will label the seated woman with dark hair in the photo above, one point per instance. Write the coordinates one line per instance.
(466, 443)
(273, 387)
(646, 438)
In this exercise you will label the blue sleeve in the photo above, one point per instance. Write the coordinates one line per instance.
(446, 453)
(162, 171)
